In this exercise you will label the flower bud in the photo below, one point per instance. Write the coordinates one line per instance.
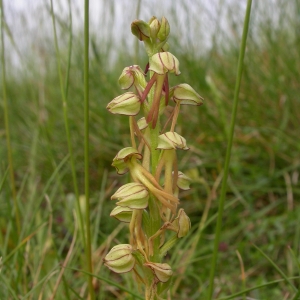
(154, 28)
(162, 272)
(123, 214)
(171, 140)
(133, 75)
(164, 29)
(119, 162)
(183, 181)
(140, 29)
(185, 94)
(164, 62)
(120, 259)
(127, 104)
(133, 195)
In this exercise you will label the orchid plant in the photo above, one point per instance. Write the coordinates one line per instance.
(150, 202)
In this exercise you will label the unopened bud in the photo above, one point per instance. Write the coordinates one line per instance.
(128, 104)
(185, 94)
(133, 195)
(120, 259)
(171, 140)
(162, 272)
(140, 29)
(164, 62)
(154, 28)
(164, 29)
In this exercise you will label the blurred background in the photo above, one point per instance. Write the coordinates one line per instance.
(263, 189)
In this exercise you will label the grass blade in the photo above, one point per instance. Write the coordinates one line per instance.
(277, 269)
(228, 152)
(86, 150)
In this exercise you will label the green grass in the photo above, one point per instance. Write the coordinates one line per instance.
(261, 208)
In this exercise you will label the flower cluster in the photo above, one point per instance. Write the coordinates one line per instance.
(150, 202)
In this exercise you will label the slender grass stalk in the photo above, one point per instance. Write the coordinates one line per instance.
(65, 112)
(6, 124)
(288, 281)
(86, 150)
(234, 296)
(228, 152)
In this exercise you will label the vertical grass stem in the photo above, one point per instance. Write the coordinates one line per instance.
(228, 152)
(86, 149)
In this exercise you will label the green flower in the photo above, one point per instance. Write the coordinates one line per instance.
(182, 223)
(162, 272)
(133, 75)
(128, 104)
(120, 259)
(171, 140)
(185, 94)
(183, 181)
(121, 159)
(164, 62)
(123, 214)
(133, 195)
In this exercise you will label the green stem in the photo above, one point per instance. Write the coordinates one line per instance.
(86, 150)
(228, 152)
(154, 212)
(7, 130)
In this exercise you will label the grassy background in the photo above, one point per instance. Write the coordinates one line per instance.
(263, 193)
